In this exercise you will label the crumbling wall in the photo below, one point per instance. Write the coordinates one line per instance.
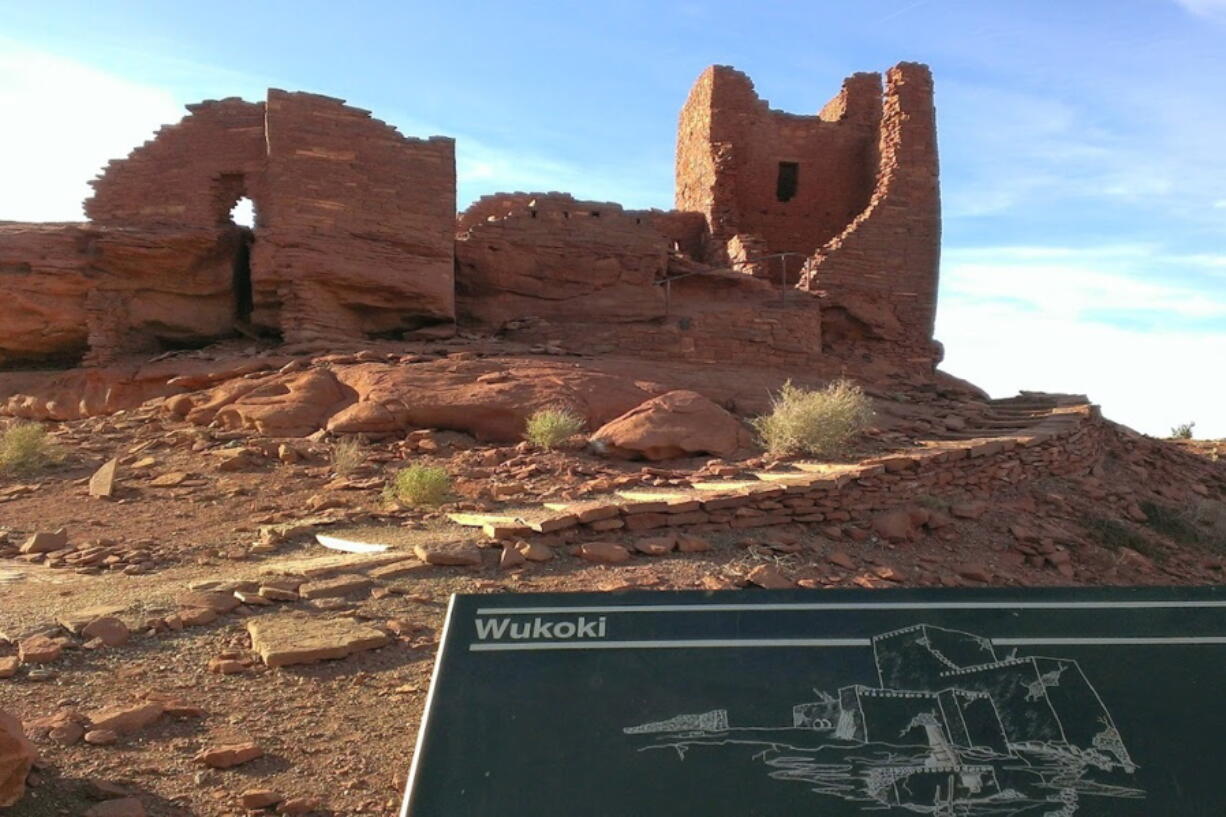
(880, 274)
(731, 148)
(190, 173)
(547, 255)
(356, 225)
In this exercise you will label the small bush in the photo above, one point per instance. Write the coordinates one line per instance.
(419, 485)
(1183, 431)
(1114, 534)
(347, 454)
(821, 422)
(1172, 523)
(550, 427)
(26, 448)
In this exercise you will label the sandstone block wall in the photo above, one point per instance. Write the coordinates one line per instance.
(730, 145)
(190, 173)
(549, 256)
(885, 263)
(356, 226)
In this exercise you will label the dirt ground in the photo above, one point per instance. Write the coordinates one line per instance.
(338, 736)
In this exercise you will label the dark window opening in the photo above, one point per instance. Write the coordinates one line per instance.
(785, 185)
(244, 300)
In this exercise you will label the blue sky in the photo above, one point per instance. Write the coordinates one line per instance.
(1083, 144)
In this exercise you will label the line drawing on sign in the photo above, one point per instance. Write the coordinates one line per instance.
(951, 729)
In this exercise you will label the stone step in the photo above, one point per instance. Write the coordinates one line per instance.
(725, 486)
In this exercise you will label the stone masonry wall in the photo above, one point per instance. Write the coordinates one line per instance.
(190, 173)
(356, 226)
(550, 256)
(880, 273)
(1069, 442)
(730, 145)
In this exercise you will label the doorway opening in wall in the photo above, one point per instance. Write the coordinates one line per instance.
(787, 181)
(243, 216)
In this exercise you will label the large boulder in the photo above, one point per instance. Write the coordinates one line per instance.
(17, 755)
(675, 424)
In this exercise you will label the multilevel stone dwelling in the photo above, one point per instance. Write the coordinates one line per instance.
(795, 239)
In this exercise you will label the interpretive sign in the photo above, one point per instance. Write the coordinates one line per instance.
(985, 703)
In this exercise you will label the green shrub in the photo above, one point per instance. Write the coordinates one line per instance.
(550, 427)
(26, 448)
(1183, 431)
(821, 422)
(419, 485)
(347, 454)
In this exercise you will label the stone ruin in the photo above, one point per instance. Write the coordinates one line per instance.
(800, 241)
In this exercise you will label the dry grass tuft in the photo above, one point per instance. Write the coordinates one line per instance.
(820, 422)
(550, 427)
(26, 448)
(347, 454)
(419, 485)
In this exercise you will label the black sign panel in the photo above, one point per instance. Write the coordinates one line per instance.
(984, 703)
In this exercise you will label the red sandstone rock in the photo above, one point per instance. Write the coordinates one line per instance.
(125, 720)
(770, 577)
(606, 552)
(38, 649)
(676, 424)
(896, 526)
(119, 807)
(229, 755)
(109, 630)
(17, 756)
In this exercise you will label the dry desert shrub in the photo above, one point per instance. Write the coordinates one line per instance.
(347, 454)
(419, 485)
(820, 422)
(26, 448)
(550, 427)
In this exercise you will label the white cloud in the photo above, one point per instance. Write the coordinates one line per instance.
(1205, 8)
(65, 121)
(1017, 318)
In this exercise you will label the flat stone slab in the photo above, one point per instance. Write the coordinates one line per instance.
(78, 620)
(283, 640)
(319, 566)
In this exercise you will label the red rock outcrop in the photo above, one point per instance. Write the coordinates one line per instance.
(17, 756)
(111, 290)
(676, 424)
(378, 398)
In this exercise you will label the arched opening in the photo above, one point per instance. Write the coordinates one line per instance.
(242, 214)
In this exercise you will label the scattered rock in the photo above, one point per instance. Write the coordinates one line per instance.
(102, 483)
(841, 559)
(125, 720)
(770, 577)
(38, 649)
(208, 600)
(896, 526)
(109, 630)
(454, 554)
(605, 552)
(968, 510)
(9, 665)
(692, 544)
(229, 755)
(46, 542)
(101, 737)
(120, 807)
(255, 799)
